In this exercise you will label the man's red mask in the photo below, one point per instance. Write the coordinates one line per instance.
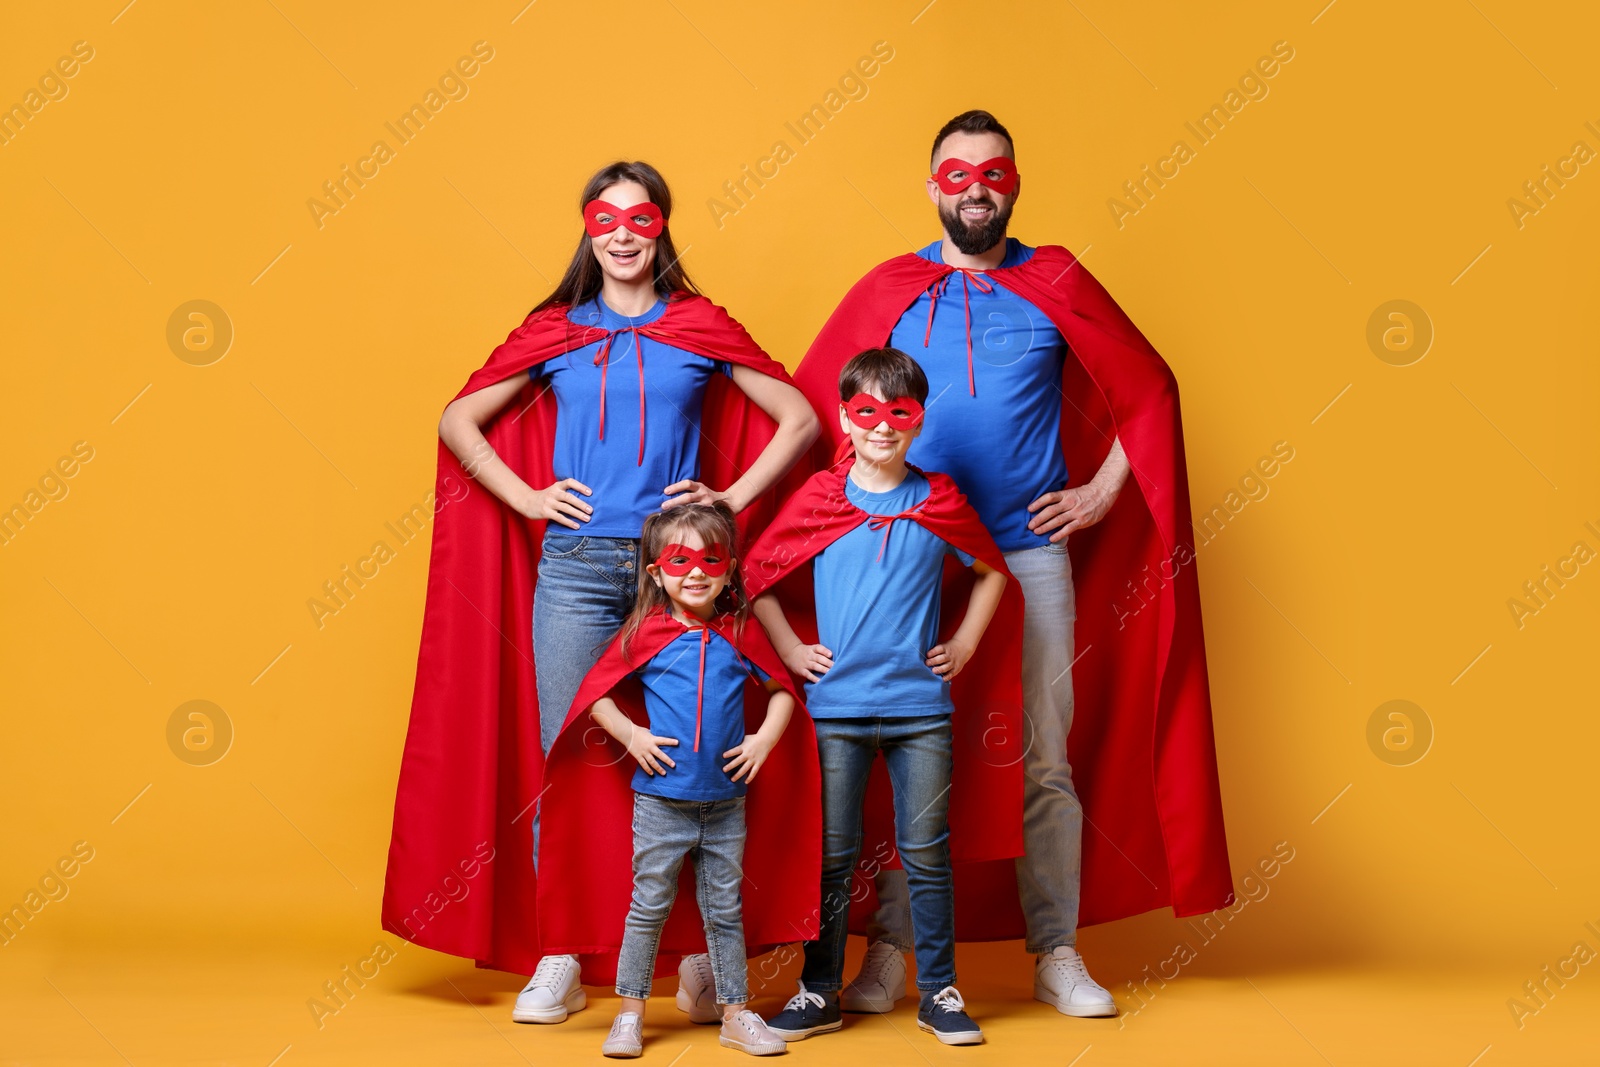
(1004, 184)
(595, 210)
(679, 560)
(902, 413)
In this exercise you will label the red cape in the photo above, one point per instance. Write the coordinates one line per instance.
(1143, 755)
(586, 831)
(460, 874)
(987, 773)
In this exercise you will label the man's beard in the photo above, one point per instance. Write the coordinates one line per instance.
(975, 239)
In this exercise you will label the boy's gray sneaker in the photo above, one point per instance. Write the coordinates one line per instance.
(807, 1013)
(944, 1015)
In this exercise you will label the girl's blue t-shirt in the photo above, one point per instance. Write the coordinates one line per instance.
(880, 617)
(626, 492)
(671, 680)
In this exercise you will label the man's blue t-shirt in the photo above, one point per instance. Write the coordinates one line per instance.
(626, 492)
(880, 617)
(1003, 445)
(671, 680)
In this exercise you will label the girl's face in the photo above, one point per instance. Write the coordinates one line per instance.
(625, 256)
(696, 592)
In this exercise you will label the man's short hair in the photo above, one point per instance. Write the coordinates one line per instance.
(971, 122)
(888, 371)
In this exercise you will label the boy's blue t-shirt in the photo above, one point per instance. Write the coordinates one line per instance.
(625, 491)
(671, 680)
(880, 617)
(1002, 446)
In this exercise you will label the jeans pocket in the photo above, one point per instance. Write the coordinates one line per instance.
(562, 546)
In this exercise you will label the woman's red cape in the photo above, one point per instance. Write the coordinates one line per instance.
(586, 828)
(460, 874)
(1143, 755)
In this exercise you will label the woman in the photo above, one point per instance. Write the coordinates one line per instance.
(624, 392)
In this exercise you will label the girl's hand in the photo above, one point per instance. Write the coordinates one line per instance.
(646, 748)
(808, 661)
(948, 659)
(693, 492)
(559, 504)
(749, 756)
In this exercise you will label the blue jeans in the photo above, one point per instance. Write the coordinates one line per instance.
(585, 590)
(664, 832)
(1048, 875)
(916, 752)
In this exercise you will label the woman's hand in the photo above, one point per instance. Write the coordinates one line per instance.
(692, 492)
(560, 504)
(749, 757)
(808, 661)
(646, 748)
(948, 659)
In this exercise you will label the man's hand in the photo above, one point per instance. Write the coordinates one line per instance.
(808, 661)
(1067, 510)
(646, 748)
(560, 504)
(749, 756)
(692, 492)
(948, 659)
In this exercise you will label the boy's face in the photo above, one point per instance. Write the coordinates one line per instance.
(879, 442)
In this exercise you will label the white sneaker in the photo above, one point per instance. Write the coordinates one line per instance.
(626, 1039)
(697, 989)
(552, 992)
(747, 1033)
(1061, 980)
(880, 982)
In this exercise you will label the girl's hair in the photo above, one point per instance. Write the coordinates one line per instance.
(714, 523)
(582, 280)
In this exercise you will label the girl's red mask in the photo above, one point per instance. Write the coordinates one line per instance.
(902, 413)
(977, 172)
(679, 560)
(622, 216)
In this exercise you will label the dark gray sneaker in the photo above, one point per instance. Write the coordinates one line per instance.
(807, 1013)
(944, 1015)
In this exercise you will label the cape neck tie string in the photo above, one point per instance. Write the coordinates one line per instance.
(603, 361)
(706, 630)
(886, 523)
(937, 289)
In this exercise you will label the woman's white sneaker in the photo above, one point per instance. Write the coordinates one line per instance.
(880, 983)
(697, 989)
(554, 991)
(626, 1039)
(1061, 980)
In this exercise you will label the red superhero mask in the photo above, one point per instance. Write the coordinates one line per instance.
(902, 412)
(977, 172)
(594, 210)
(679, 560)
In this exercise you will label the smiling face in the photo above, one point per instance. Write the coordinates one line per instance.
(696, 592)
(975, 218)
(879, 442)
(623, 254)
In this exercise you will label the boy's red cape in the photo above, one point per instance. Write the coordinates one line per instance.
(1143, 754)
(460, 874)
(586, 830)
(986, 773)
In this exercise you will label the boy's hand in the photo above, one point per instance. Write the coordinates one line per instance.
(646, 748)
(808, 661)
(749, 756)
(948, 659)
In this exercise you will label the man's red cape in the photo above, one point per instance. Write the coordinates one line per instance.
(586, 828)
(1143, 755)
(460, 874)
(987, 726)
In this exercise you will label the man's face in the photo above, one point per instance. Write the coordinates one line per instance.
(975, 219)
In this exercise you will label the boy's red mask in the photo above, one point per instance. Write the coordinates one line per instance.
(621, 216)
(902, 413)
(679, 560)
(977, 172)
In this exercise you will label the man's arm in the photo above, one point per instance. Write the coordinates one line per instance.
(1074, 509)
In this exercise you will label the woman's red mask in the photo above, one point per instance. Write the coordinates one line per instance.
(1004, 184)
(902, 413)
(596, 210)
(679, 560)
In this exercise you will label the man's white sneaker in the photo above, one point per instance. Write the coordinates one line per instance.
(881, 981)
(626, 1039)
(697, 989)
(552, 992)
(747, 1033)
(1061, 980)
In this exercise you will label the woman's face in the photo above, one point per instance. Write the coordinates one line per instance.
(625, 256)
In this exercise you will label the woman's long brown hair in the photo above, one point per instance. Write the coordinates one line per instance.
(714, 523)
(581, 282)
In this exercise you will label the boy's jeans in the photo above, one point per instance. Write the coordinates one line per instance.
(664, 831)
(917, 754)
(1052, 822)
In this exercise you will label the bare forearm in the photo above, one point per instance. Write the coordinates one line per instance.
(780, 707)
(794, 435)
(1113, 473)
(611, 719)
(981, 606)
(770, 614)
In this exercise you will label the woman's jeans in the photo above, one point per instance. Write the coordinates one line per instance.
(917, 754)
(664, 832)
(585, 590)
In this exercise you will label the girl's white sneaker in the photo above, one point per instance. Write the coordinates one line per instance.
(748, 1033)
(625, 1039)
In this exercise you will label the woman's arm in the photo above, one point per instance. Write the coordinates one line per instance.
(461, 429)
(948, 659)
(641, 744)
(797, 428)
(808, 661)
(752, 753)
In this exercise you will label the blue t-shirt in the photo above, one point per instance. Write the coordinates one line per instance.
(671, 681)
(880, 617)
(1002, 446)
(626, 492)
